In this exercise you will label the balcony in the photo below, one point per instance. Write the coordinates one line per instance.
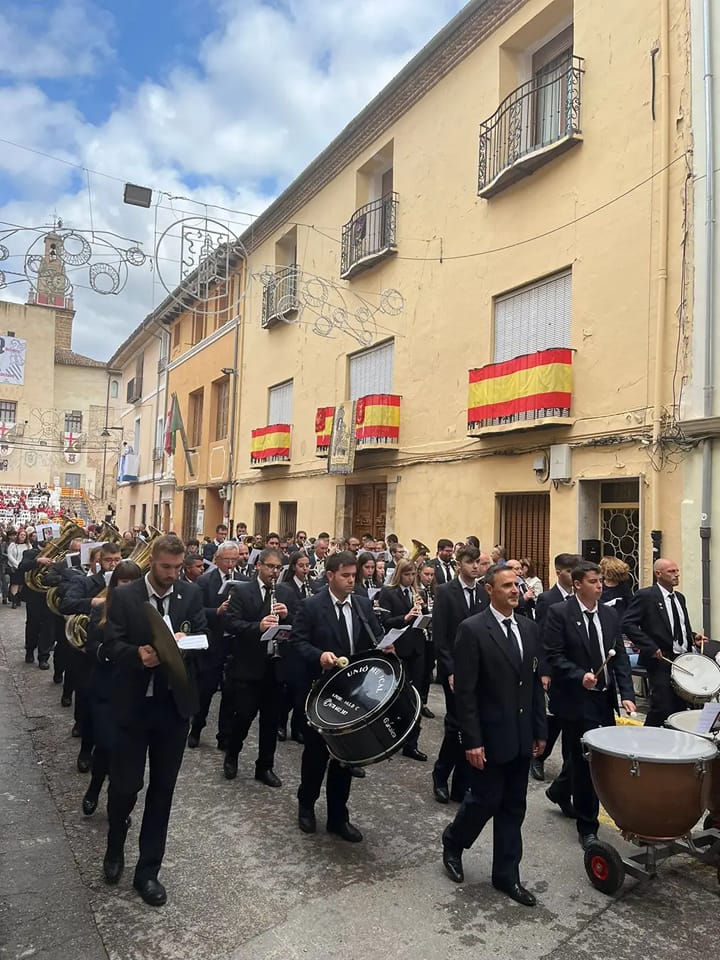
(158, 453)
(377, 422)
(134, 390)
(529, 391)
(369, 236)
(270, 445)
(280, 299)
(534, 124)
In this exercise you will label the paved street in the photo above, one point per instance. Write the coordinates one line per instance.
(243, 882)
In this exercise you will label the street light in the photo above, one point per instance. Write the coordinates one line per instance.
(105, 434)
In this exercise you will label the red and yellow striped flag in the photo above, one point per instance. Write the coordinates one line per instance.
(528, 388)
(323, 430)
(377, 420)
(270, 444)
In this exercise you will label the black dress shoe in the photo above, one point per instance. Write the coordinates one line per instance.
(452, 860)
(89, 804)
(221, 744)
(456, 795)
(230, 765)
(414, 754)
(358, 772)
(113, 867)
(29, 658)
(537, 769)
(440, 790)
(152, 892)
(76, 731)
(268, 777)
(282, 734)
(193, 740)
(306, 819)
(44, 665)
(427, 713)
(84, 761)
(586, 840)
(516, 892)
(565, 805)
(346, 831)
(57, 677)
(66, 700)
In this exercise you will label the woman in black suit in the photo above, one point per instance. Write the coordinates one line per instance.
(399, 599)
(425, 587)
(365, 577)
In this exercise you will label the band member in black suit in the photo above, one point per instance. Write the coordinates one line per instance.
(565, 563)
(193, 568)
(454, 602)
(365, 578)
(60, 576)
(210, 663)
(251, 680)
(38, 618)
(443, 563)
(320, 637)
(405, 606)
(578, 635)
(501, 710)
(657, 622)
(151, 717)
(425, 585)
(208, 551)
(292, 669)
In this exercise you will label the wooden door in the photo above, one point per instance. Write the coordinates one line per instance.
(525, 529)
(369, 509)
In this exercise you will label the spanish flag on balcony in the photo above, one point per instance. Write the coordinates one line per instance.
(323, 430)
(528, 388)
(377, 421)
(270, 445)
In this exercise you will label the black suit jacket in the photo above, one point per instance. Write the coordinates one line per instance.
(316, 629)
(440, 571)
(78, 595)
(250, 660)
(412, 641)
(500, 704)
(570, 656)
(647, 625)
(127, 629)
(449, 611)
(546, 600)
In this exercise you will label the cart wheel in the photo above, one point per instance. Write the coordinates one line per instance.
(604, 867)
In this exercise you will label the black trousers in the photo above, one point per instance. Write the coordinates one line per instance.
(158, 737)
(209, 679)
(428, 667)
(315, 761)
(249, 698)
(663, 699)
(414, 666)
(497, 793)
(292, 707)
(39, 633)
(584, 798)
(451, 757)
(554, 730)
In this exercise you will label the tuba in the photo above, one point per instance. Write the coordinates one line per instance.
(419, 551)
(76, 625)
(55, 550)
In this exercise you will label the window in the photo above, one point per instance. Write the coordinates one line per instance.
(198, 323)
(176, 335)
(139, 374)
(136, 435)
(372, 371)
(72, 480)
(261, 523)
(73, 422)
(533, 318)
(8, 411)
(143, 514)
(221, 390)
(288, 518)
(195, 417)
(550, 67)
(114, 389)
(280, 403)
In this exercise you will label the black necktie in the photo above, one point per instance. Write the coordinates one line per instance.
(595, 645)
(470, 591)
(265, 594)
(304, 591)
(408, 596)
(160, 604)
(676, 628)
(513, 646)
(448, 573)
(342, 623)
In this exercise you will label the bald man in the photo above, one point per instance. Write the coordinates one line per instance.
(657, 622)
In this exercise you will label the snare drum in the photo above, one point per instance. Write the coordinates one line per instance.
(654, 782)
(695, 678)
(687, 721)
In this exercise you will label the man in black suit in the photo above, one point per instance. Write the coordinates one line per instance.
(221, 532)
(193, 568)
(251, 676)
(578, 636)
(209, 664)
(455, 601)
(565, 563)
(443, 563)
(38, 618)
(333, 623)
(151, 716)
(501, 712)
(657, 622)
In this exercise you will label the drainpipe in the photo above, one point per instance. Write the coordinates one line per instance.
(708, 387)
(662, 267)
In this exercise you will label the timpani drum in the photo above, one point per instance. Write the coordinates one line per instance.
(687, 721)
(654, 782)
(695, 677)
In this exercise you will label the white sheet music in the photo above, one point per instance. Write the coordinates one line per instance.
(390, 637)
(193, 641)
(709, 719)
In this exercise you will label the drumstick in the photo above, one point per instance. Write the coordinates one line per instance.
(677, 666)
(606, 661)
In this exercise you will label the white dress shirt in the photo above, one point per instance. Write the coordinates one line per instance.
(501, 618)
(674, 611)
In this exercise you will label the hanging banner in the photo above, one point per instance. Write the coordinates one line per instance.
(323, 430)
(12, 361)
(341, 458)
(377, 421)
(270, 445)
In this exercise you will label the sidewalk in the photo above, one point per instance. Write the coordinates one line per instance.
(44, 908)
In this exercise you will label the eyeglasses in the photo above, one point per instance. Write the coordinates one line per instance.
(272, 566)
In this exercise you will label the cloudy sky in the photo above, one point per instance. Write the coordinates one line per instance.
(221, 102)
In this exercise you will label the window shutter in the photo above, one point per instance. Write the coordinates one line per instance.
(537, 317)
(280, 405)
(372, 371)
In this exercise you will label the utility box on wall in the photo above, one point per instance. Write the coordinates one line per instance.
(560, 461)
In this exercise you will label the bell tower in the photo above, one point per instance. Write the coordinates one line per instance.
(53, 289)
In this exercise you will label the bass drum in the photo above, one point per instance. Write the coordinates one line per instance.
(687, 721)
(365, 711)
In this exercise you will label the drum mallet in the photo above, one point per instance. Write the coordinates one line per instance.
(341, 662)
(606, 661)
(677, 666)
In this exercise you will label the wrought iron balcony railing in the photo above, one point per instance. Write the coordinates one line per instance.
(280, 295)
(369, 235)
(532, 125)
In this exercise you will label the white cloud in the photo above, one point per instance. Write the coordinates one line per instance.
(271, 86)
